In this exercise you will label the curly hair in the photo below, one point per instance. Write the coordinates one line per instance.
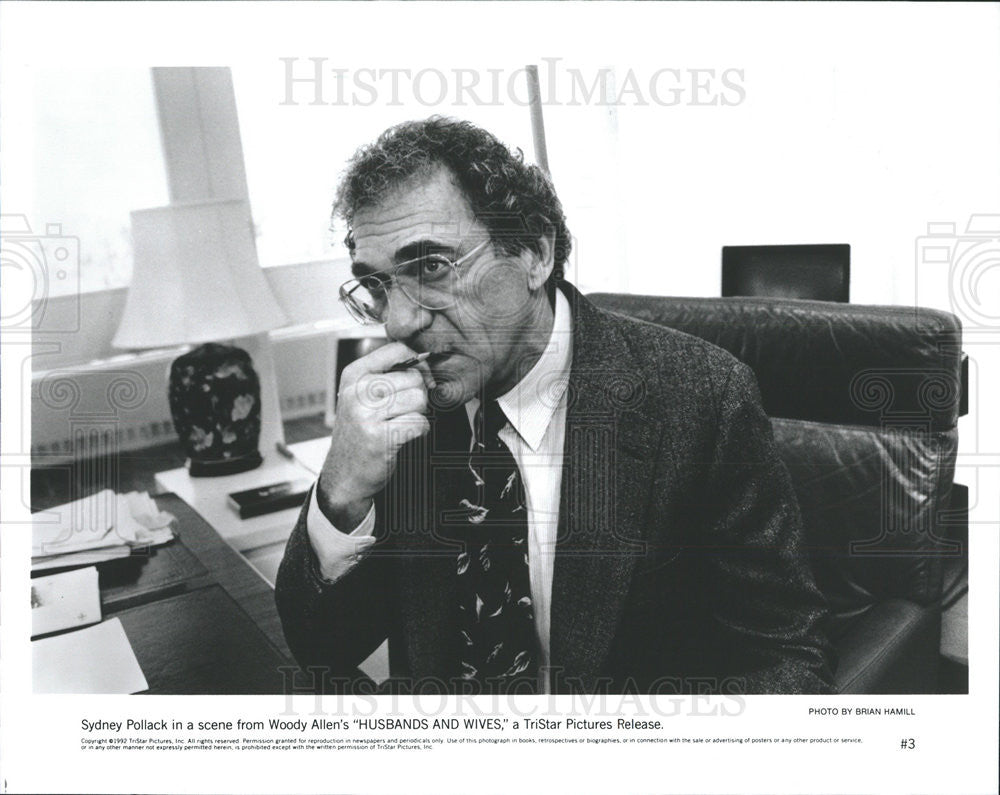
(513, 199)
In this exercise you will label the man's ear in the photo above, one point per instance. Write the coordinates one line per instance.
(540, 264)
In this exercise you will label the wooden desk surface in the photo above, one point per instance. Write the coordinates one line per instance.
(200, 619)
(199, 564)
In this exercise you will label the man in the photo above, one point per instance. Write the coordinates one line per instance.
(524, 493)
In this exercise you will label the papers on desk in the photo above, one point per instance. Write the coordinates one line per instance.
(66, 600)
(100, 527)
(98, 659)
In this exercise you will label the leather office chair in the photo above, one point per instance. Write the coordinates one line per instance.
(864, 402)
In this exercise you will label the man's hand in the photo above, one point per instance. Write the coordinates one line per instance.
(378, 411)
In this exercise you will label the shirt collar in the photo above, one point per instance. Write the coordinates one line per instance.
(532, 402)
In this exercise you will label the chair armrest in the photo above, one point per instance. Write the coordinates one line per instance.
(893, 648)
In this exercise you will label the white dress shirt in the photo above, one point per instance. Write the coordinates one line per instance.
(536, 427)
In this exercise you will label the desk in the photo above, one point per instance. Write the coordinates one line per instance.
(260, 539)
(200, 619)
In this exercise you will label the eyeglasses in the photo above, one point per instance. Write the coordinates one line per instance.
(428, 281)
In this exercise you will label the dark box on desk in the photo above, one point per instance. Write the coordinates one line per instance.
(270, 498)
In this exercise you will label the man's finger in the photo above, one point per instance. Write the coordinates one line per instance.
(379, 390)
(425, 372)
(409, 426)
(407, 401)
(393, 354)
(382, 359)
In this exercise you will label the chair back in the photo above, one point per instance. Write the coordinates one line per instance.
(864, 402)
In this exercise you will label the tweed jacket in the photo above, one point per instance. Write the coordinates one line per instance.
(677, 565)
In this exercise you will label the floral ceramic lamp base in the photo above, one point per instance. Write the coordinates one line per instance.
(215, 402)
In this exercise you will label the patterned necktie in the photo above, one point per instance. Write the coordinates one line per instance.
(497, 620)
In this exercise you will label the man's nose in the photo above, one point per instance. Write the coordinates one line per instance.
(405, 318)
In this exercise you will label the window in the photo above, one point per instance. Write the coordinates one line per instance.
(96, 157)
(294, 155)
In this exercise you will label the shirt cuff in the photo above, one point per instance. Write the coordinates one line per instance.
(337, 552)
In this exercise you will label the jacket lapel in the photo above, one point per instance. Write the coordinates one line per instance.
(609, 457)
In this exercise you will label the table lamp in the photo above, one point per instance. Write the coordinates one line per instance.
(196, 280)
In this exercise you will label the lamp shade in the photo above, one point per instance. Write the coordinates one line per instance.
(196, 277)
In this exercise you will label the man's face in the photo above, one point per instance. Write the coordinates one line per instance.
(495, 324)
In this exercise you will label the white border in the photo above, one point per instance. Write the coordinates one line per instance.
(956, 736)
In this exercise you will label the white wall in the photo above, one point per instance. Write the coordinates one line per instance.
(860, 125)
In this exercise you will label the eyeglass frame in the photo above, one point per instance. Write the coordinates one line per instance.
(359, 314)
